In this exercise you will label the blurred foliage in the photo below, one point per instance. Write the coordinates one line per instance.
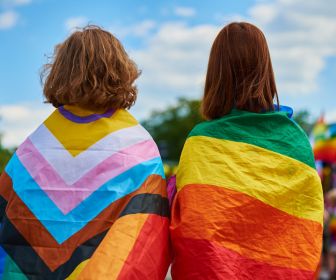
(304, 119)
(170, 127)
(170, 169)
(5, 155)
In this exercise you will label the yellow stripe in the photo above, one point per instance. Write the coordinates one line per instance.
(77, 271)
(68, 132)
(275, 179)
(327, 144)
(110, 256)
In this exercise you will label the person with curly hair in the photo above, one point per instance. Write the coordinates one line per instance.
(84, 196)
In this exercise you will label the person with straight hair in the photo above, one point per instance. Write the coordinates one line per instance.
(249, 201)
(84, 196)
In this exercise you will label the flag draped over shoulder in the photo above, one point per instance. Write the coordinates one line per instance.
(249, 203)
(84, 197)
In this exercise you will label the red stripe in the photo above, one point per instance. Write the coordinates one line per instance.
(201, 259)
(247, 226)
(150, 256)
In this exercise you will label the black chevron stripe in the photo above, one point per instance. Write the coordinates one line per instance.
(33, 266)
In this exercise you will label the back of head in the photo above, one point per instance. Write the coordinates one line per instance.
(240, 73)
(90, 69)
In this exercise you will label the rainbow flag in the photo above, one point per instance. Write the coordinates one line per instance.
(324, 136)
(84, 197)
(249, 201)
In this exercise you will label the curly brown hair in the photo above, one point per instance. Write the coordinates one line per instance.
(92, 70)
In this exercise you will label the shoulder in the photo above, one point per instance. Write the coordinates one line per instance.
(273, 131)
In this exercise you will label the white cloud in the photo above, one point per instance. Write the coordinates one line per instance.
(301, 37)
(224, 19)
(174, 58)
(184, 11)
(20, 120)
(176, 63)
(173, 63)
(330, 117)
(75, 22)
(141, 29)
(8, 19)
(21, 2)
(263, 12)
(12, 3)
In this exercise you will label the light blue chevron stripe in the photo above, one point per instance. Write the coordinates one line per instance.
(61, 226)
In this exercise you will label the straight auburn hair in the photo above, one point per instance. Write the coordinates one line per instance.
(240, 73)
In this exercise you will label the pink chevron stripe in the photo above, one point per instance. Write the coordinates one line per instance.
(67, 197)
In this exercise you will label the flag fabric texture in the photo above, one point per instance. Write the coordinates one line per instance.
(249, 201)
(84, 197)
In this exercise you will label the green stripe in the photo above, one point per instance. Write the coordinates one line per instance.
(272, 130)
(12, 271)
(320, 138)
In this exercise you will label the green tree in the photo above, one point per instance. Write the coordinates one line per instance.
(304, 119)
(170, 127)
(5, 155)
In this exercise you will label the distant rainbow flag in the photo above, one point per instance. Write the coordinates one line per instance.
(324, 136)
(84, 197)
(249, 203)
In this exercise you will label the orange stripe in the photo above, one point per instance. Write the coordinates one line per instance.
(150, 257)
(110, 256)
(55, 254)
(247, 226)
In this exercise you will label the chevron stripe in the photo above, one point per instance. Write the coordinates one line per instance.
(67, 196)
(70, 168)
(26, 223)
(33, 266)
(135, 249)
(75, 274)
(3, 257)
(150, 256)
(29, 262)
(63, 226)
(12, 271)
(84, 119)
(76, 138)
(72, 181)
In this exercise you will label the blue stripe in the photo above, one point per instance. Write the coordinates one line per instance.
(2, 262)
(61, 226)
(288, 110)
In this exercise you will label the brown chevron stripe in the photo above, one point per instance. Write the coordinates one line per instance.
(34, 267)
(56, 254)
(31, 265)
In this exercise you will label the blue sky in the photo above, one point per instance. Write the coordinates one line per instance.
(170, 41)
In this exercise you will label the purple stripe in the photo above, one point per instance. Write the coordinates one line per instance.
(91, 118)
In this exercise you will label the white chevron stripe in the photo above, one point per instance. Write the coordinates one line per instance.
(73, 168)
